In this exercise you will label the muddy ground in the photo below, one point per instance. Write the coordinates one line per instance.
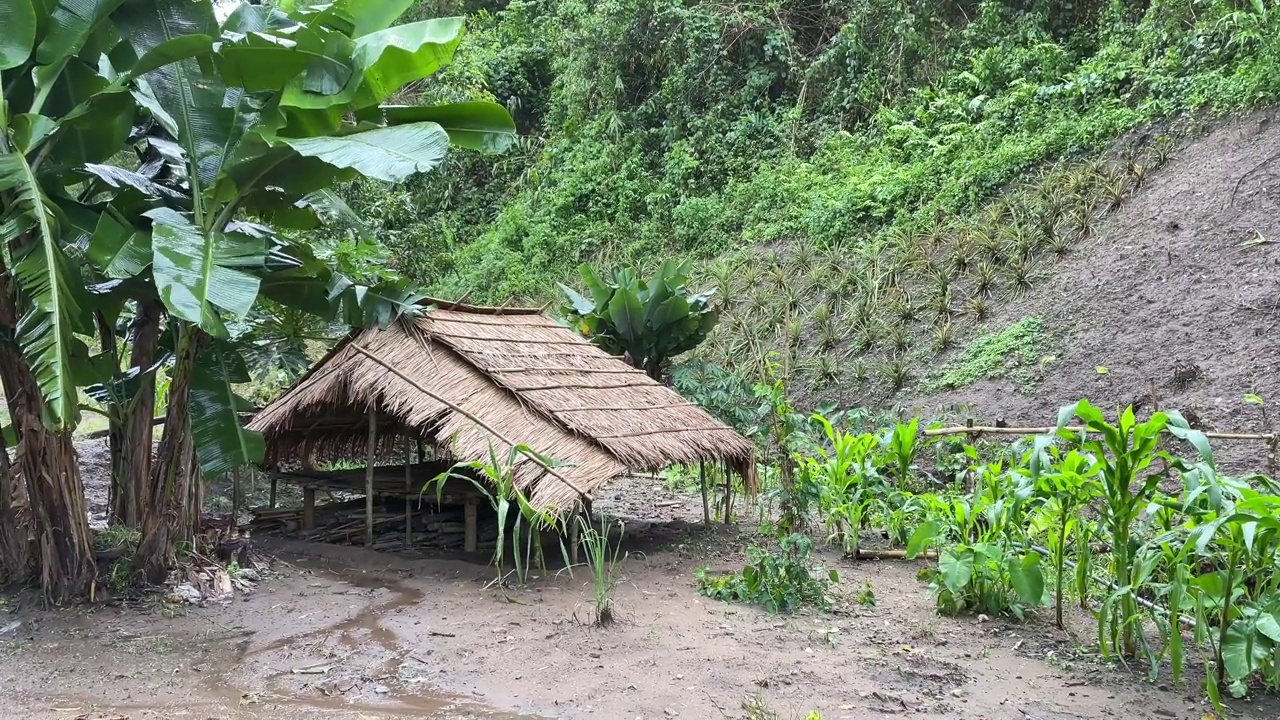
(345, 633)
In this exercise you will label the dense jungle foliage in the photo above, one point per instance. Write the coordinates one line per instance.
(822, 133)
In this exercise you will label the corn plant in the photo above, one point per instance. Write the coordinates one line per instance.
(1237, 591)
(1123, 452)
(497, 483)
(900, 445)
(844, 480)
(1069, 484)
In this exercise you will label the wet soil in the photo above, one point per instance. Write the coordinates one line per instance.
(346, 633)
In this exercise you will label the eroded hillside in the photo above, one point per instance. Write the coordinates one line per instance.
(1177, 294)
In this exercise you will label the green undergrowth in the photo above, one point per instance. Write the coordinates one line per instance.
(863, 181)
(1014, 351)
(120, 543)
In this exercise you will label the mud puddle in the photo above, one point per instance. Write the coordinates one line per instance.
(339, 654)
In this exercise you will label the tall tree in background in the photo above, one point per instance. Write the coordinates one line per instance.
(234, 128)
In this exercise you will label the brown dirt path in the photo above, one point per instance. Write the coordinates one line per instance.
(345, 633)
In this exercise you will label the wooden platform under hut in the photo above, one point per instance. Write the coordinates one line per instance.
(461, 383)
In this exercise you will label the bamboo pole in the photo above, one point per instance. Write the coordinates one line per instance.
(408, 488)
(891, 554)
(991, 430)
(706, 502)
(468, 415)
(368, 475)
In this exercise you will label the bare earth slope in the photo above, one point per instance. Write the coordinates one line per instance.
(1178, 290)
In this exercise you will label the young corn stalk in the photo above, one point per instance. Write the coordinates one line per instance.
(497, 483)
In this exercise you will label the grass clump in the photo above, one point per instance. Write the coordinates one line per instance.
(603, 561)
(119, 542)
(1015, 350)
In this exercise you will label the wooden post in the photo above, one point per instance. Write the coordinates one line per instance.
(576, 520)
(235, 496)
(271, 500)
(368, 476)
(408, 494)
(728, 497)
(470, 541)
(309, 508)
(706, 503)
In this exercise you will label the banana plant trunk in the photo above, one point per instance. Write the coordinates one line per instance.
(132, 432)
(171, 501)
(53, 526)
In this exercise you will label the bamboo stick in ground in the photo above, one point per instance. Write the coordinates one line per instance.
(368, 475)
(408, 504)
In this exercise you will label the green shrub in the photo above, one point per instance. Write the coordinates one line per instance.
(780, 581)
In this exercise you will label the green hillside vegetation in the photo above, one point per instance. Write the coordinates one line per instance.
(861, 180)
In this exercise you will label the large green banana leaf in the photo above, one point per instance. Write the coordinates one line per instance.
(120, 250)
(207, 117)
(196, 273)
(399, 55)
(69, 26)
(221, 442)
(392, 153)
(17, 32)
(48, 281)
(482, 126)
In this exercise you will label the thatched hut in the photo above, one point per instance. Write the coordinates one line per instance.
(468, 379)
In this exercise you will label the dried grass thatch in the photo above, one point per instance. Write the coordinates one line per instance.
(526, 376)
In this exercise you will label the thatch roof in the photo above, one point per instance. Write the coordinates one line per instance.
(529, 378)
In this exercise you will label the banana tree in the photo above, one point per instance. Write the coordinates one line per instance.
(241, 122)
(57, 111)
(648, 322)
(267, 108)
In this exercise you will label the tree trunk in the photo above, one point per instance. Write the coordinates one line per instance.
(133, 436)
(59, 526)
(15, 523)
(170, 503)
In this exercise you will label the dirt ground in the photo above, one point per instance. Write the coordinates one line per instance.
(1178, 291)
(345, 633)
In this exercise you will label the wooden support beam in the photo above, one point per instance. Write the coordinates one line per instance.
(309, 508)
(235, 495)
(728, 499)
(575, 519)
(408, 494)
(271, 500)
(470, 539)
(706, 502)
(368, 476)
